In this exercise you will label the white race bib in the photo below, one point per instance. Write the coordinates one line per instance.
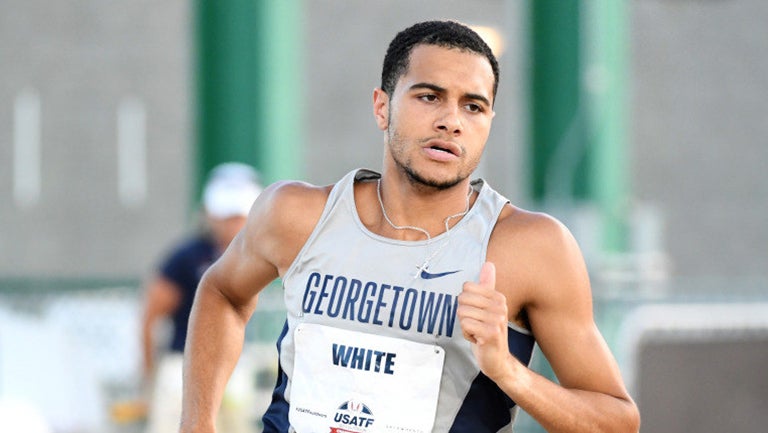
(352, 382)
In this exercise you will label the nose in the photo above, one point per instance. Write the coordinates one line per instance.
(449, 121)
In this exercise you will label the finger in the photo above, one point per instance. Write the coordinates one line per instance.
(471, 329)
(468, 336)
(473, 298)
(466, 311)
(488, 275)
(487, 310)
(486, 279)
(477, 331)
(483, 298)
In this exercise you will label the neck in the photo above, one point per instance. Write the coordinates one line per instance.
(410, 214)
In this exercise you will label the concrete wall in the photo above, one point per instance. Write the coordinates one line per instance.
(78, 64)
(699, 82)
(699, 126)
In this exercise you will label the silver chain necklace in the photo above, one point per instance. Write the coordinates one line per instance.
(424, 266)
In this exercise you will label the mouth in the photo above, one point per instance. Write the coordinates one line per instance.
(445, 147)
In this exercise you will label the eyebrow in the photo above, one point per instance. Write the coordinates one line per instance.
(436, 88)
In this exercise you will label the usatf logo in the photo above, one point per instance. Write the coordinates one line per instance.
(352, 417)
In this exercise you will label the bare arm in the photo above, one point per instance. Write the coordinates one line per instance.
(553, 287)
(279, 223)
(224, 301)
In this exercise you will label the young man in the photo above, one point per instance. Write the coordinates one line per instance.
(413, 297)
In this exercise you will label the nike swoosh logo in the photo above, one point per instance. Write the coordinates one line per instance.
(428, 276)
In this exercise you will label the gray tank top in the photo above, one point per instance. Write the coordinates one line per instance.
(350, 278)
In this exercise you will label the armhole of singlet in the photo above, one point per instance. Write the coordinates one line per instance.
(519, 329)
(497, 207)
(337, 192)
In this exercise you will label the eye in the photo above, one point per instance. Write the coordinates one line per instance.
(429, 97)
(474, 108)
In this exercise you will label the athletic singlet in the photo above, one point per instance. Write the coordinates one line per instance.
(366, 329)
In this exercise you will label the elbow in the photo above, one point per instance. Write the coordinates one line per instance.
(632, 418)
(636, 421)
(625, 419)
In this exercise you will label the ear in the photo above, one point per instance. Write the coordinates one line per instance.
(381, 108)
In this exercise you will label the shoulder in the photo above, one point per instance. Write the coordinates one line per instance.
(288, 196)
(283, 217)
(537, 255)
(543, 232)
(290, 204)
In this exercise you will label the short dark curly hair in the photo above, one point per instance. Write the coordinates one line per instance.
(448, 34)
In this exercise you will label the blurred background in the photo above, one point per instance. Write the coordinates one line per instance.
(641, 124)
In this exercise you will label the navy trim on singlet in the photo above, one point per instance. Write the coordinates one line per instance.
(486, 407)
(275, 419)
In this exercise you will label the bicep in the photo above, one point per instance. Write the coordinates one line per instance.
(577, 352)
(278, 225)
(241, 272)
(561, 318)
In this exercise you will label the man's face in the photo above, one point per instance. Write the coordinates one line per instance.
(439, 116)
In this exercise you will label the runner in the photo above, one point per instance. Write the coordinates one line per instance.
(414, 297)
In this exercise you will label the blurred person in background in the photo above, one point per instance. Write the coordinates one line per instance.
(230, 191)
